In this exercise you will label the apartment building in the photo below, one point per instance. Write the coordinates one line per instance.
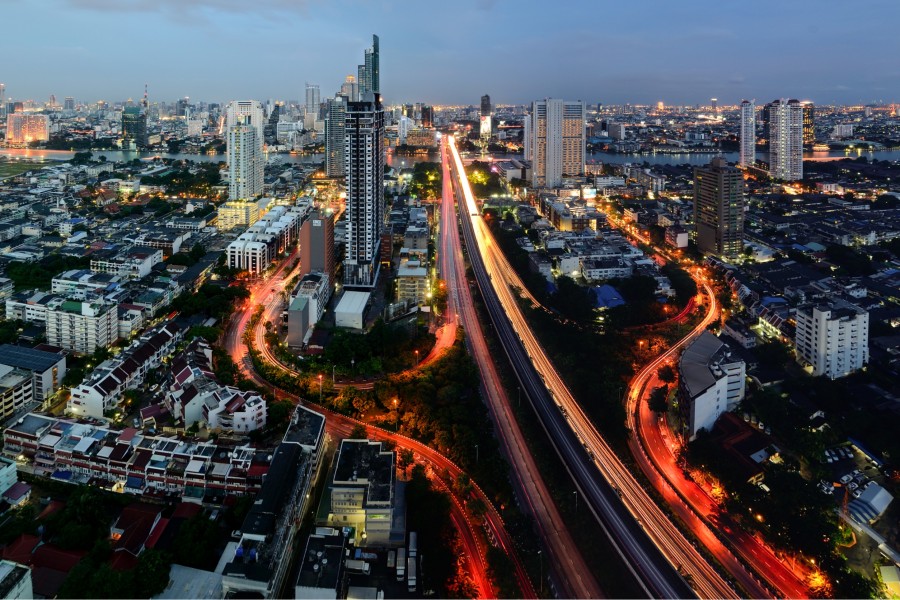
(712, 381)
(832, 338)
(82, 327)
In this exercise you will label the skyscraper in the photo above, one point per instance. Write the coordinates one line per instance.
(317, 244)
(134, 128)
(369, 72)
(247, 112)
(350, 89)
(748, 133)
(334, 136)
(786, 140)
(719, 208)
(809, 122)
(557, 141)
(486, 114)
(714, 104)
(245, 162)
(364, 178)
(69, 103)
(427, 116)
(312, 99)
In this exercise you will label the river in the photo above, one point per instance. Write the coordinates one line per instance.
(688, 158)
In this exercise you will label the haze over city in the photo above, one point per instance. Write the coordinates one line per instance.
(450, 53)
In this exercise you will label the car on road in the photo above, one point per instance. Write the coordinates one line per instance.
(846, 478)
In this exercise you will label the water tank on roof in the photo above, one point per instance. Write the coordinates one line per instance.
(253, 554)
(239, 552)
(316, 568)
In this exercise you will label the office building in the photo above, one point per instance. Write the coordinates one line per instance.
(245, 163)
(317, 244)
(832, 338)
(233, 214)
(350, 89)
(22, 128)
(714, 105)
(719, 208)
(786, 140)
(556, 128)
(427, 116)
(82, 327)
(809, 122)
(712, 381)
(748, 133)
(335, 113)
(486, 115)
(364, 178)
(312, 99)
(369, 73)
(134, 128)
(69, 103)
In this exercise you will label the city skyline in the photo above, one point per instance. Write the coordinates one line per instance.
(672, 55)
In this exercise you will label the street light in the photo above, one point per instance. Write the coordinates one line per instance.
(320, 388)
(541, 560)
(417, 358)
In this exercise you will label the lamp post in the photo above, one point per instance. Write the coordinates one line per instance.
(476, 454)
(541, 561)
(320, 388)
(333, 367)
(417, 358)
(576, 501)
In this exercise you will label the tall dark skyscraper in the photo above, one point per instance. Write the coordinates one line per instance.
(134, 127)
(719, 208)
(369, 73)
(427, 116)
(486, 106)
(364, 178)
(809, 122)
(334, 136)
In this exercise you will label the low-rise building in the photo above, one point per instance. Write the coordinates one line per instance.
(362, 490)
(712, 380)
(135, 262)
(47, 368)
(412, 282)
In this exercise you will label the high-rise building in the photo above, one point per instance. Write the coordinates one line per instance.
(486, 114)
(748, 133)
(364, 177)
(556, 128)
(134, 128)
(786, 140)
(809, 122)
(2, 99)
(714, 104)
(317, 244)
(24, 128)
(370, 71)
(350, 89)
(719, 208)
(247, 112)
(832, 338)
(427, 116)
(312, 99)
(334, 136)
(245, 162)
(69, 103)
(181, 106)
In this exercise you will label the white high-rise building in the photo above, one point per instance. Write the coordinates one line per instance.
(247, 112)
(748, 133)
(786, 140)
(832, 338)
(364, 178)
(557, 141)
(245, 163)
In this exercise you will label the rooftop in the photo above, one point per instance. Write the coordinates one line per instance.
(28, 358)
(363, 462)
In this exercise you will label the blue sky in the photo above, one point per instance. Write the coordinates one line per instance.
(453, 51)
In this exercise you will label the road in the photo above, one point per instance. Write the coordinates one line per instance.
(648, 542)
(572, 573)
(267, 292)
(654, 450)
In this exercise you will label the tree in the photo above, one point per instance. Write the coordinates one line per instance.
(358, 433)
(152, 572)
(666, 373)
(658, 400)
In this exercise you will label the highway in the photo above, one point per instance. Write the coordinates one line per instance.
(647, 541)
(572, 574)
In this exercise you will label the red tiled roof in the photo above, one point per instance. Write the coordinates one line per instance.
(53, 557)
(20, 549)
(156, 533)
(186, 510)
(47, 582)
(123, 561)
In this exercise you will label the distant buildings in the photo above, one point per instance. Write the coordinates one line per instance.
(486, 115)
(369, 73)
(23, 128)
(364, 178)
(712, 380)
(832, 338)
(748, 133)
(719, 208)
(809, 122)
(785, 126)
(555, 130)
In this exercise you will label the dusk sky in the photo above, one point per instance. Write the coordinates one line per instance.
(452, 52)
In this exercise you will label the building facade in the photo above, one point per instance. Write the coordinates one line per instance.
(336, 111)
(712, 380)
(748, 133)
(245, 163)
(556, 128)
(23, 128)
(832, 339)
(82, 327)
(785, 140)
(719, 208)
(233, 214)
(364, 177)
(317, 244)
